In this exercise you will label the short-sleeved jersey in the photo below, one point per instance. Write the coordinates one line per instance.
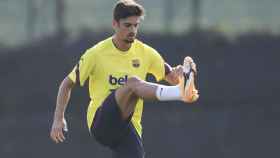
(108, 68)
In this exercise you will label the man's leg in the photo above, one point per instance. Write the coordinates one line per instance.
(127, 95)
(111, 120)
(130, 146)
(135, 88)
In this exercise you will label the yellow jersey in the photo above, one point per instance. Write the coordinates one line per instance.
(108, 68)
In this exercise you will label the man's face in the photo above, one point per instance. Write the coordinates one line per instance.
(126, 29)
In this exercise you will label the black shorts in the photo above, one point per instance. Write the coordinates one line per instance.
(111, 130)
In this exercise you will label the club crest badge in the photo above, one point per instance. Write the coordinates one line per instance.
(136, 63)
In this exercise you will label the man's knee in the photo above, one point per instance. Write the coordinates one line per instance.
(133, 82)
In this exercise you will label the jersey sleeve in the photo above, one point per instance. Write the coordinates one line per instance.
(156, 64)
(83, 68)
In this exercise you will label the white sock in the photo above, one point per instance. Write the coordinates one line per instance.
(166, 93)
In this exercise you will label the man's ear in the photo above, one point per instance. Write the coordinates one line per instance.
(115, 24)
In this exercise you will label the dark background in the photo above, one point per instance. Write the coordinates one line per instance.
(236, 46)
(237, 115)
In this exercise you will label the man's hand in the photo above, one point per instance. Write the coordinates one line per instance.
(176, 72)
(173, 77)
(56, 133)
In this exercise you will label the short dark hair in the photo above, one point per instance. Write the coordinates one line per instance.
(127, 8)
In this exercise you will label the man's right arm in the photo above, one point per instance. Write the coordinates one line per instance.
(63, 97)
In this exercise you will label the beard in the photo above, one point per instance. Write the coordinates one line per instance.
(128, 41)
(130, 38)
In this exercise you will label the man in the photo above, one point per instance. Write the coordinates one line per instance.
(116, 69)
